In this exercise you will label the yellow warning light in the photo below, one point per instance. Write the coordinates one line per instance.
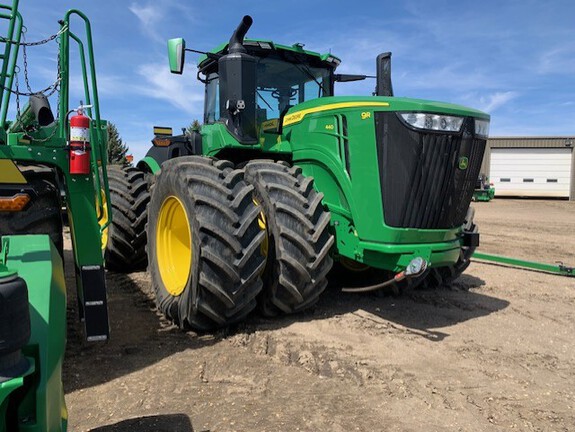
(14, 203)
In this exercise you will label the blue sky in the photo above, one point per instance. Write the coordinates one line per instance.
(514, 59)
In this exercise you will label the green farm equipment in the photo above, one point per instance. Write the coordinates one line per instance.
(484, 191)
(284, 178)
(39, 162)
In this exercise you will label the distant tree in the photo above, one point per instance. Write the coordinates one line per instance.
(194, 126)
(117, 150)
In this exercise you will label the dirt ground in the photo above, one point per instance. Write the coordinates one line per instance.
(494, 352)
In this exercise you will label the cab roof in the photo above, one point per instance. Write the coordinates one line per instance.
(260, 44)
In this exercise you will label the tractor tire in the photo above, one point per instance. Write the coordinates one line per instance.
(298, 238)
(44, 212)
(126, 237)
(204, 247)
(445, 276)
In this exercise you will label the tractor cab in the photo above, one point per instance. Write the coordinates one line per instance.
(251, 84)
(284, 76)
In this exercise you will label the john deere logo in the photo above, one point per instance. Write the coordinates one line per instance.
(463, 163)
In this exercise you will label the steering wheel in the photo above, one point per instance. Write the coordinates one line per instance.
(276, 93)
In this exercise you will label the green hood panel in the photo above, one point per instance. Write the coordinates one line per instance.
(381, 103)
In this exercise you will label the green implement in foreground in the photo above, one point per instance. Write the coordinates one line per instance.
(33, 400)
(36, 160)
(558, 268)
(46, 159)
(284, 178)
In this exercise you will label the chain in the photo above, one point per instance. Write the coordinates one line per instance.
(55, 88)
(17, 92)
(40, 42)
(48, 138)
(52, 88)
(48, 91)
(25, 59)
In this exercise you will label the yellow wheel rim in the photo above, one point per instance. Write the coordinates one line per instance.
(103, 218)
(174, 245)
(262, 223)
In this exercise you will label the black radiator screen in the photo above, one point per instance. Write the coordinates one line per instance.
(427, 178)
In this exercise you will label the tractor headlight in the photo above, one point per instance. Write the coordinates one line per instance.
(434, 122)
(482, 128)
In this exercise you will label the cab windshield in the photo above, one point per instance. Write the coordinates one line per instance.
(279, 85)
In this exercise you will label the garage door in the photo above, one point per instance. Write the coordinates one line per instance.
(534, 172)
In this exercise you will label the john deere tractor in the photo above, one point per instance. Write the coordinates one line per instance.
(284, 178)
(43, 160)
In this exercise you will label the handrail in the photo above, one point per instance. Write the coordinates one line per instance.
(10, 58)
(99, 156)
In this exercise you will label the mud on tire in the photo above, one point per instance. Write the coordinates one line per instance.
(126, 246)
(223, 278)
(298, 238)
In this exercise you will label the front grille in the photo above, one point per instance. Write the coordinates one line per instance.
(422, 184)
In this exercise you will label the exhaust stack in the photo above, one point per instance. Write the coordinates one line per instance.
(237, 40)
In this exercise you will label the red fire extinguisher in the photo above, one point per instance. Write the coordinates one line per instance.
(79, 143)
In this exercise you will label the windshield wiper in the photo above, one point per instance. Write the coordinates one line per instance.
(265, 101)
(305, 69)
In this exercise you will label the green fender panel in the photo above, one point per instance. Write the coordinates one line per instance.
(37, 261)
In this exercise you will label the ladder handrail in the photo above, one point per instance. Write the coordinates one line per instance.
(65, 50)
(99, 156)
(10, 58)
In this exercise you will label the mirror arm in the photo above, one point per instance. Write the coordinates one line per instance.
(210, 55)
(348, 78)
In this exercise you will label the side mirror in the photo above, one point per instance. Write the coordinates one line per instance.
(176, 55)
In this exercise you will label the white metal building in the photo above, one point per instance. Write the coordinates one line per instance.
(531, 166)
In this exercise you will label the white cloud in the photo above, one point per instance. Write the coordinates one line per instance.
(180, 91)
(560, 60)
(495, 100)
(150, 16)
(153, 16)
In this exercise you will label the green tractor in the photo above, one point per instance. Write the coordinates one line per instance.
(42, 159)
(484, 190)
(284, 178)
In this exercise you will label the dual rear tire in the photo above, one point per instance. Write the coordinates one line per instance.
(204, 252)
(298, 238)
(222, 240)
